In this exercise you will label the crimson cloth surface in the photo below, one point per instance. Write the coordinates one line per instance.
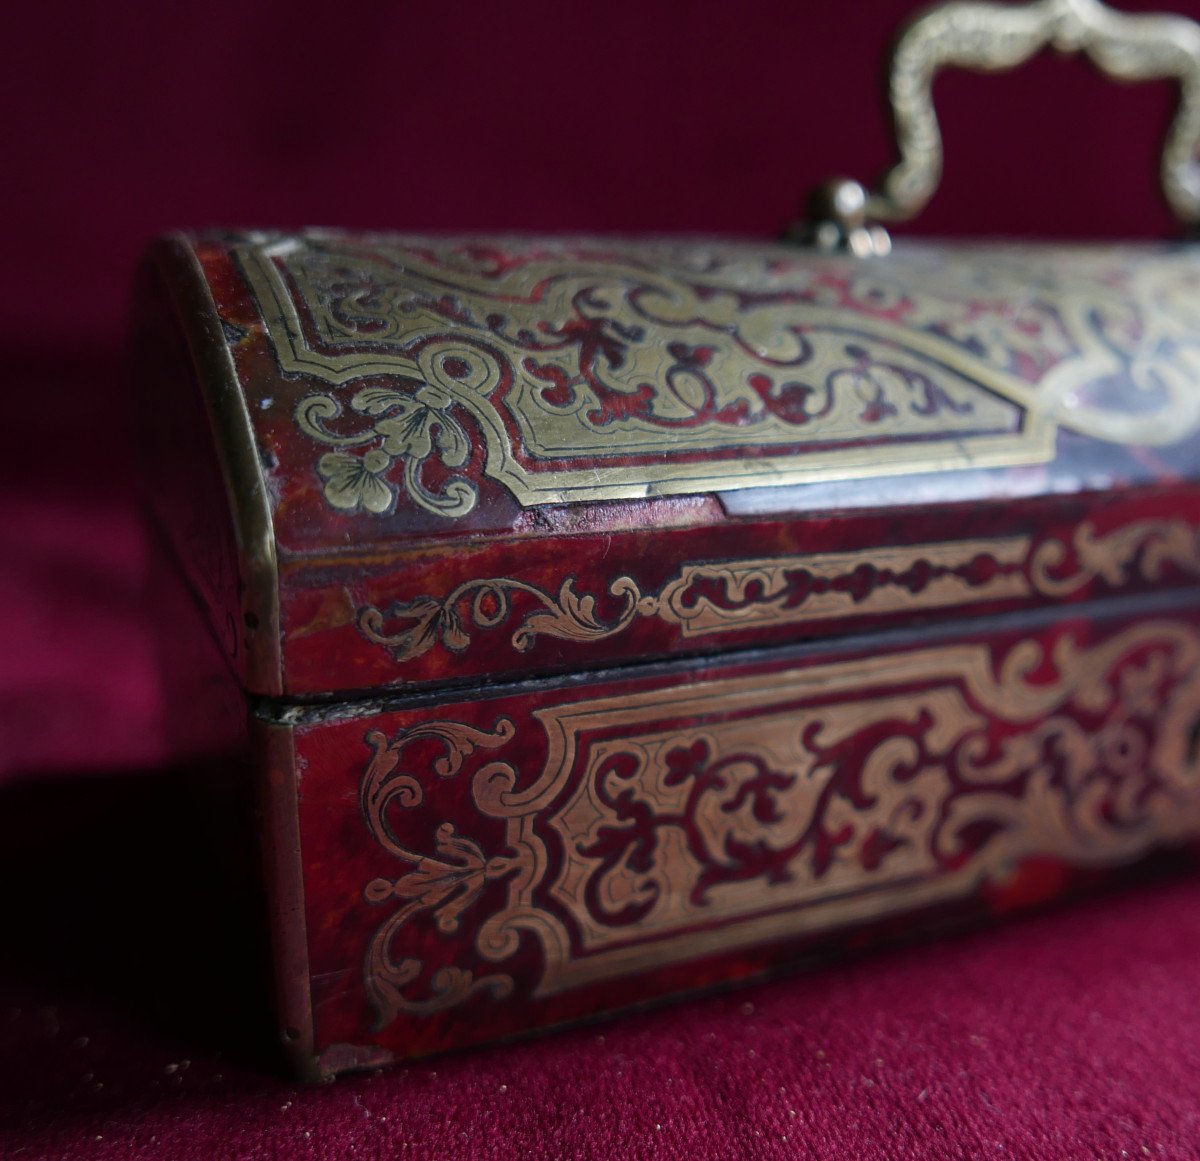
(131, 1023)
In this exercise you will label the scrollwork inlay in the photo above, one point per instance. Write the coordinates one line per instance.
(446, 883)
(776, 591)
(751, 808)
(572, 370)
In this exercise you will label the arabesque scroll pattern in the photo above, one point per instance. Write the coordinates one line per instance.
(712, 597)
(573, 370)
(766, 804)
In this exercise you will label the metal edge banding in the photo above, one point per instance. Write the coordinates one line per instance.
(277, 791)
(237, 453)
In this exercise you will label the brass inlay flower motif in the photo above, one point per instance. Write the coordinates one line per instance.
(354, 481)
(408, 428)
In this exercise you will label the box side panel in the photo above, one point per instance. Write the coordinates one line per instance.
(204, 484)
(195, 587)
(209, 624)
(277, 800)
(482, 866)
(182, 491)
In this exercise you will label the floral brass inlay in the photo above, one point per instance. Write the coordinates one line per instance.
(567, 370)
(783, 590)
(448, 883)
(409, 429)
(674, 821)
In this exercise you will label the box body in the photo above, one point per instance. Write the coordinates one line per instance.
(489, 863)
(616, 619)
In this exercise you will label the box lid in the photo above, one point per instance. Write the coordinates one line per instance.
(455, 457)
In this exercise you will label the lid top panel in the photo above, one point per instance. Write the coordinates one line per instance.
(409, 386)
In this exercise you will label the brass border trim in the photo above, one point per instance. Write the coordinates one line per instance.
(237, 453)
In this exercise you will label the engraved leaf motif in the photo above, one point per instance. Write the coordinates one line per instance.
(413, 426)
(581, 609)
(447, 885)
(407, 433)
(431, 620)
(573, 617)
(377, 400)
(452, 443)
(453, 634)
(416, 639)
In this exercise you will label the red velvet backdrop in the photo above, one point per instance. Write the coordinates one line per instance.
(1076, 1037)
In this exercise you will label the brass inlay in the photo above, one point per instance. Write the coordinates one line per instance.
(753, 594)
(448, 883)
(1141, 548)
(575, 370)
(696, 818)
(708, 597)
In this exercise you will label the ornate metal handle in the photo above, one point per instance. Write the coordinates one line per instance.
(993, 37)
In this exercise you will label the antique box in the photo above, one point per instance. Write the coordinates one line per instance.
(607, 619)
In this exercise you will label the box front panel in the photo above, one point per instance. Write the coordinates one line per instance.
(597, 597)
(479, 867)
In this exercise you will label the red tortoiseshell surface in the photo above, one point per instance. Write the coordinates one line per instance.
(942, 450)
(617, 619)
(485, 864)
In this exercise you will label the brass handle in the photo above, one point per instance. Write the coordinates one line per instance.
(991, 38)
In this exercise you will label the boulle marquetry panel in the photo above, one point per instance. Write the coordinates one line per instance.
(588, 369)
(620, 618)
(521, 855)
(714, 597)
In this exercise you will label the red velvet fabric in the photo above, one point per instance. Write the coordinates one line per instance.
(130, 1024)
